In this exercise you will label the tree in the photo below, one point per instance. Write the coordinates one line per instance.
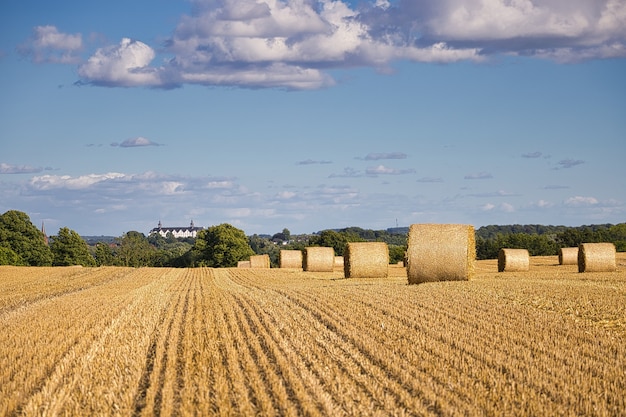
(335, 240)
(264, 246)
(24, 239)
(68, 248)
(103, 254)
(221, 246)
(9, 257)
(135, 250)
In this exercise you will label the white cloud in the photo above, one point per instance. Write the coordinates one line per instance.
(383, 170)
(579, 201)
(125, 65)
(563, 30)
(384, 155)
(136, 142)
(502, 207)
(49, 45)
(291, 43)
(18, 169)
(52, 182)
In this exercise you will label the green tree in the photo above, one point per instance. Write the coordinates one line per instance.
(264, 246)
(335, 240)
(20, 235)
(9, 257)
(221, 246)
(68, 248)
(396, 253)
(103, 254)
(135, 250)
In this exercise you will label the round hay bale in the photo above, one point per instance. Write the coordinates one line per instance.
(243, 264)
(440, 252)
(568, 256)
(338, 262)
(290, 259)
(596, 257)
(319, 259)
(513, 260)
(366, 260)
(260, 261)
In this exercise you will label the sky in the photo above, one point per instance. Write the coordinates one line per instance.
(312, 115)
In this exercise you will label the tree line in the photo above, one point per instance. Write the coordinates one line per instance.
(22, 243)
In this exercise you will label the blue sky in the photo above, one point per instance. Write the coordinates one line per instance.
(310, 115)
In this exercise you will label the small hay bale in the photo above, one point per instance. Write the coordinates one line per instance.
(290, 258)
(568, 256)
(243, 264)
(440, 252)
(338, 262)
(596, 257)
(366, 260)
(513, 260)
(260, 261)
(319, 259)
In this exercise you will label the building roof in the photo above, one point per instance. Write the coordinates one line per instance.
(165, 230)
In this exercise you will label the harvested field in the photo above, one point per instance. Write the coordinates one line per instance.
(275, 342)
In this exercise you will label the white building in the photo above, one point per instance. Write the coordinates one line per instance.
(177, 232)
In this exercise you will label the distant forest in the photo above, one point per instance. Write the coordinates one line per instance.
(540, 240)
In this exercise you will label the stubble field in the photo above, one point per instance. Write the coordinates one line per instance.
(148, 341)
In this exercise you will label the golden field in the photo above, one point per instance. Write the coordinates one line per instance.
(271, 342)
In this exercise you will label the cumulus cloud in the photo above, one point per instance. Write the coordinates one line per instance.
(383, 170)
(478, 176)
(18, 169)
(292, 44)
(379, 156)
(48, 45)
(135, 142)
(124, 65)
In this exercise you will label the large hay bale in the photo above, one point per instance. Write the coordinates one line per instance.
(319, 259)
(513, 260)
(260, 261)
(290, 258)
(568, 256)
(596, 257)
(243, 264)
(440, 252)
(366, 260)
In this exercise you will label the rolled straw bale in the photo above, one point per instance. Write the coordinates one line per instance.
(338, 262)
(319, 259)
(260, 261)
(513, 260)
(290, 258)
(243, 264)
(366, 260)
(568, 256)
(596, 257)
(440, 252)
